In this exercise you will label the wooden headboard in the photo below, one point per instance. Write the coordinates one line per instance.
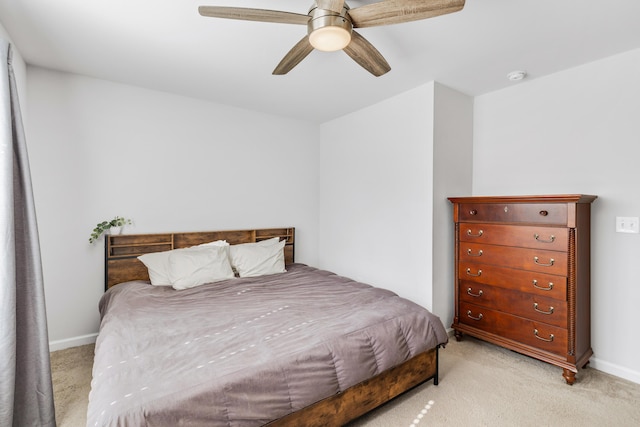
(121, 250)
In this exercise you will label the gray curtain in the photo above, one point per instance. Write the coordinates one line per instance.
(26, 393)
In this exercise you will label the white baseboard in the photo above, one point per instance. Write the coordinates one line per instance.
(72, 342)
(616, 370)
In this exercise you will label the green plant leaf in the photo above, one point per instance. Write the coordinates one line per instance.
(103, 226)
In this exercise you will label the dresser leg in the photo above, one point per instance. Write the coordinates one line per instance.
(569, 376)
(458, 335)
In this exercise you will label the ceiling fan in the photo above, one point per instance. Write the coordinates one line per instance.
(330, 25)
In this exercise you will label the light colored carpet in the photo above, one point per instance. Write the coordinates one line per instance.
(71, 375)
(480, 385)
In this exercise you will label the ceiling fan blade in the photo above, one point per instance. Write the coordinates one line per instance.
(363, 52)
(332, 5)
(246, 14)
(396, 11)
(294, 56)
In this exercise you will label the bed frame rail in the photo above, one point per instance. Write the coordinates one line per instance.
(361, 398)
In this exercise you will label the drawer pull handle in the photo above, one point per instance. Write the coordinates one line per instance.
(548, 288)
(473, 212)
(474, 275)
(475, 318)
(472, 254)
(536, 260)
(544, 213)
(535, 307)
(479, 294)
(552, 238)
(480, 233)
(550, 339)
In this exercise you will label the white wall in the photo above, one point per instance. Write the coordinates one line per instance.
(577, 131)
(100, 149)
(375, 194)
(384, 179)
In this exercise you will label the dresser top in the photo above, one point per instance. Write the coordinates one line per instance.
(551, 198)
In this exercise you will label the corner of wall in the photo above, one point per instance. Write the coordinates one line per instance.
(452, 176)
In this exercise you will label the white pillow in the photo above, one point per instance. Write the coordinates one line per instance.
(258, 259)
(234, 248)
(198, 265)
(157, 264)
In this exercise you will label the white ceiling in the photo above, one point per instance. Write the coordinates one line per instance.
(166, 45)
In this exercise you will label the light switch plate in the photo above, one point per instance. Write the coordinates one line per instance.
(627, 224)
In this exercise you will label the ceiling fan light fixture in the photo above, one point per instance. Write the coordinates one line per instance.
(329, 31)
(330, 38)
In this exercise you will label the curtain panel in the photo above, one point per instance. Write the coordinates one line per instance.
(26, 392)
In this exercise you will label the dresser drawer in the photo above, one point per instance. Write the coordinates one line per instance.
(530, 332)
(548, 238)
(533, 213)
(545, 285)
(529, 306)
(550, 262)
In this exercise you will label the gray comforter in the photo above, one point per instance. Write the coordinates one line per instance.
(243, 352)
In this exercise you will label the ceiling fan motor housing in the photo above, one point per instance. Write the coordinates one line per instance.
(328, 30)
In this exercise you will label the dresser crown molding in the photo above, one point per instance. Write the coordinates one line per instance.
(559, 198)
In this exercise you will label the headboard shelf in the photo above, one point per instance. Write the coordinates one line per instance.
(122, 250)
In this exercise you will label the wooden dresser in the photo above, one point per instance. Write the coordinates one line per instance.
(523, 275)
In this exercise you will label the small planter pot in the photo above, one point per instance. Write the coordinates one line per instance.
(115, 230)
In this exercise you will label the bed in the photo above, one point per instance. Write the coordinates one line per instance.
(302, 346)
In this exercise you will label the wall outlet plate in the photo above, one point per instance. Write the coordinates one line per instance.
(627, 224)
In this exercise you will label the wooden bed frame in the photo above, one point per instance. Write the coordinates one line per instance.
(122, 265)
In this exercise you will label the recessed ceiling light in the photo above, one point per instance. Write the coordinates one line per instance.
(515, 76)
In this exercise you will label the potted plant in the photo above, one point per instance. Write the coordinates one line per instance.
(114, 227)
